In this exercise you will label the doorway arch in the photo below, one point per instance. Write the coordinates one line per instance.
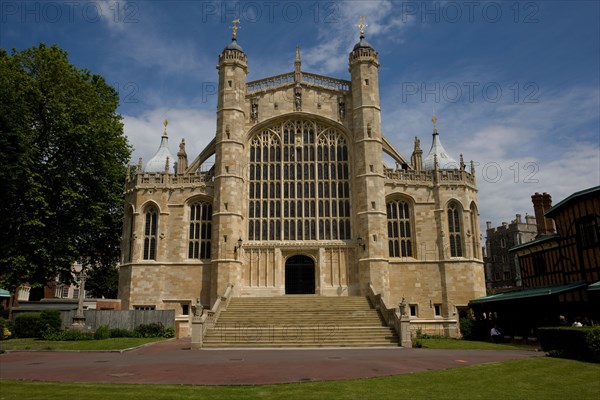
(299, 275)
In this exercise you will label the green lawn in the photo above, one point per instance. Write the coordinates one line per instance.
(458, 344)
(106, 344)
(534, 378)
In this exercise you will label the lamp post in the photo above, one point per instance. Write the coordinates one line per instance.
(79, 318)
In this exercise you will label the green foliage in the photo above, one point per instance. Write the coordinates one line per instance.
(63, 156)
(69, 335)
(102, 333)
(569, 342)
(122, 333)
(103, 281)
(169, 332)
(154, 329)
(27, 325)
(467, 328)
(6, 329)
(50, 322)
(592, 341)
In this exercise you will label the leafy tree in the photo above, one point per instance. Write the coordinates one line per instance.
(103, 281)
(63, 156)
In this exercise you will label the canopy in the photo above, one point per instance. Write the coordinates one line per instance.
(526, 293)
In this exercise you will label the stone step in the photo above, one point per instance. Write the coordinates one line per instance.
(300, 321)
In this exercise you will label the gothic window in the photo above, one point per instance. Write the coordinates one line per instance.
(399, 229)
(128, 235)
(454, 230)
(200, 231)
(306, 195)
(150, 233)
(474, 232)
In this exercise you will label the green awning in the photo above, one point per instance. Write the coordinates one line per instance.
(527, 293)
(4, 293)
(594, 287)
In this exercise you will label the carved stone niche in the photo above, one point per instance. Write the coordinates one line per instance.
(254, 109)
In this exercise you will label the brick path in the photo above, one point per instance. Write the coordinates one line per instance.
(172, 362)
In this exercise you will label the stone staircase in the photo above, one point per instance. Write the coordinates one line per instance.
(300, 321)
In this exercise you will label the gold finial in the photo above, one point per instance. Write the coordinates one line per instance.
(165, 123)
(362, 26)
(434, 120)
(234, 27)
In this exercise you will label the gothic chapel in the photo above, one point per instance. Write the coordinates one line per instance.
(300, 202)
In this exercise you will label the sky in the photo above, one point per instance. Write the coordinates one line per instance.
(515, 85)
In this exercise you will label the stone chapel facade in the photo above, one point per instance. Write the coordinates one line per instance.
(299, 201)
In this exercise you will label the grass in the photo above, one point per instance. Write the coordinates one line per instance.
(105, 344)
(534, 378)
(458, 344)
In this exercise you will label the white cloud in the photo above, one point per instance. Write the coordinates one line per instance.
(144, 132)
(337, 37)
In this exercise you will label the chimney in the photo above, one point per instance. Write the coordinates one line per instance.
(541, 204)
(488, 224)
(519, 220)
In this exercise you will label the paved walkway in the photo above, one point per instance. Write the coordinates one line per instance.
(173, 362)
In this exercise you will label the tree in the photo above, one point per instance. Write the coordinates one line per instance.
(63, 155)
(103, 281)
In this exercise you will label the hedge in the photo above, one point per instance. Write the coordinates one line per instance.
(569, 342)
(37, 324)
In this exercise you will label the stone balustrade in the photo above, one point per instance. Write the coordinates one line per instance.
(326, 82)
(270, 83)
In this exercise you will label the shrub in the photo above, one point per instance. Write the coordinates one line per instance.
(50, 322)
(117, 333)
(569, 342)
(593, 343)
(102, 333)
(169, 332)
(27, 325)
(154, 329)
(69, 335)
(6, 329)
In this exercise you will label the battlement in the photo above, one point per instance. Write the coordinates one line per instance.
(155, 180)
(269, 83)
(440, 176)
(326, 82)
(278, 81)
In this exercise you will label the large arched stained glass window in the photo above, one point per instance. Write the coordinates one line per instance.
(299, 183)
(399, 229)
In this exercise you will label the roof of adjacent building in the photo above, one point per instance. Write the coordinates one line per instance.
(528, 293)
(571, 198)
(543, 239)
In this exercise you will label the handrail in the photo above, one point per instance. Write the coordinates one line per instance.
(389, 314)
(209, 319)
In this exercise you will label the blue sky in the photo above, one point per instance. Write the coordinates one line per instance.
(515, 85)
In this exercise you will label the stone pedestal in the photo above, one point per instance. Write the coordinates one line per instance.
(78, 323)
(197, 328)
(405, 339)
